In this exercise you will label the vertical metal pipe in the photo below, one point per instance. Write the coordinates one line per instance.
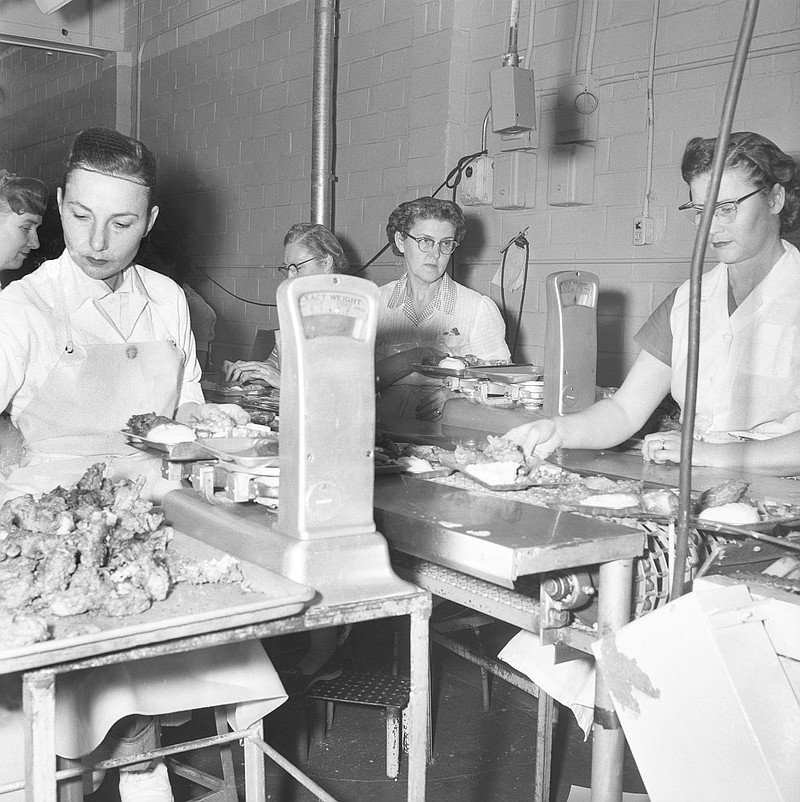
(322, 113)
(695, 284)
(608, 740)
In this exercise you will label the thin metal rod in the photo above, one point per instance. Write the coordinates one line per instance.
(695, 283)
(291, 769)
(322, 113)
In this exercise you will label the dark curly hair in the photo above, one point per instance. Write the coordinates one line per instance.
(21, 194)
(319, 241)
(763, 161)
(406, 214)
(103, 150)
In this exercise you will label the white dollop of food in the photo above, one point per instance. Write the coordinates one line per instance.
(494, 473)
(171, 433)
(453, 363)
(414, 464)
(736, 512)
(612, 501)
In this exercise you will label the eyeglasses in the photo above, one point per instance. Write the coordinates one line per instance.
(724, 211)
(294, 269)
(425, 244)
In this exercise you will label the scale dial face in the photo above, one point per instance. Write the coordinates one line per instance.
(328, 313)
(574, 292)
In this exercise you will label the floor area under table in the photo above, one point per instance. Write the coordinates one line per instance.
(477, 756)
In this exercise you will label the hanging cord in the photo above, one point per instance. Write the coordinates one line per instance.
(695, 283)
(233, 294)
(521, 241)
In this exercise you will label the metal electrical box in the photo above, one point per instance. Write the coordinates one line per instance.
(576, 110)
(514, 180)
(570, 175)
(513, 100)
(477, 182)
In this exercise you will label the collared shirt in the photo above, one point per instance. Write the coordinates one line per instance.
(458, 320)
(34, 328)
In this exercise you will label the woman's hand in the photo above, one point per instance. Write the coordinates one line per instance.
(540, 437)
(392, 368)
(662, 447)
(244, 372)
(431, 404)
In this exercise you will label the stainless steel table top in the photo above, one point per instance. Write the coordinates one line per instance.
(493, 538)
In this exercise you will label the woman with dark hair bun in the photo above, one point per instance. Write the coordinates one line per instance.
(87, 341)
(748, 396)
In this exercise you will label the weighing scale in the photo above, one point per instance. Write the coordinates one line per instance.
(324, 534)
(492, 399)
(570, 343)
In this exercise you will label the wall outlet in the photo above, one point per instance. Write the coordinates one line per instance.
(643, 230)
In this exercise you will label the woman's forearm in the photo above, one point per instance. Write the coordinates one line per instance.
(778, 456)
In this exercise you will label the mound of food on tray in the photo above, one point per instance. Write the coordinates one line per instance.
(213, 423)
(94, 549)
(502, 462)
(459, 362)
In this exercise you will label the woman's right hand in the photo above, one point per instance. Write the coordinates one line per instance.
(540, 437)
(244, 372)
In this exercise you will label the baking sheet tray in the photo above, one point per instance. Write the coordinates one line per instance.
(508, 374)
(435, 372)
(241, 450)
(188, 610)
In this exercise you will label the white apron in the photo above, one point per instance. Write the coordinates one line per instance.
(75, 420)
(749, 361)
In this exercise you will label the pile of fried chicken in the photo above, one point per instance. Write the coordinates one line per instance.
(97, 547)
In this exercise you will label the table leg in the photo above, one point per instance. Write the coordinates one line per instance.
(39, 709)
(418, 703)
(544, 746)
(608, 740)
(254, 773)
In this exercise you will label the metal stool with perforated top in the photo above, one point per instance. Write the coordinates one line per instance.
(376, 689)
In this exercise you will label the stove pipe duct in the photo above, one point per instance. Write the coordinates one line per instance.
(322, 113)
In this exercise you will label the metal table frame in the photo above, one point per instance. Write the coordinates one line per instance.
(39, 690)
(608, 740)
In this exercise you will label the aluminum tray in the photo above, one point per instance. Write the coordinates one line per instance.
(240, 451)
(176, 452)
(188, 610)
(525, 484)
(435, 372)
(507, 374)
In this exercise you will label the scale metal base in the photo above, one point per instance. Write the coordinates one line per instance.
(342, 568)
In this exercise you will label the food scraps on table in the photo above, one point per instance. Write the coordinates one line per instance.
(95, 549)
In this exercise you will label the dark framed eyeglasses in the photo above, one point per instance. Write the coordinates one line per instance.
(724, 211)
(293, 269)
(426, 244)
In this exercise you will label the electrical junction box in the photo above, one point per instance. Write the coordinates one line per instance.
(477, 182)
(570, 175)
(576, 110)
(514, 180)
(513, 100)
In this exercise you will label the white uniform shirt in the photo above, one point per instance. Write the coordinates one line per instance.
(458, 320)
(145, 307)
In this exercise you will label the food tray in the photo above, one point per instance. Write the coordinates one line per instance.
(188, 610)
(177, 452)
(525, 484)
(507, 374)
(436, 473)
(434, 371)
(240, 450)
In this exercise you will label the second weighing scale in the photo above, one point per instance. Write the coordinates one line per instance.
(324, 534)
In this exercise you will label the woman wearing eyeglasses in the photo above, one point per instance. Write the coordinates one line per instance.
(748, 395)
(309, 249)
(425, 315)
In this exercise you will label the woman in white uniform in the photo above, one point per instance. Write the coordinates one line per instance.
(425, 315)
(748, 393)
(86, 341)
(309, 249)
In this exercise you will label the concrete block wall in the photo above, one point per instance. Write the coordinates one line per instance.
(225, 91)
(48, 97)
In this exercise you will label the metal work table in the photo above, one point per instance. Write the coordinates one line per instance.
(131, 642)
(470, 547)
